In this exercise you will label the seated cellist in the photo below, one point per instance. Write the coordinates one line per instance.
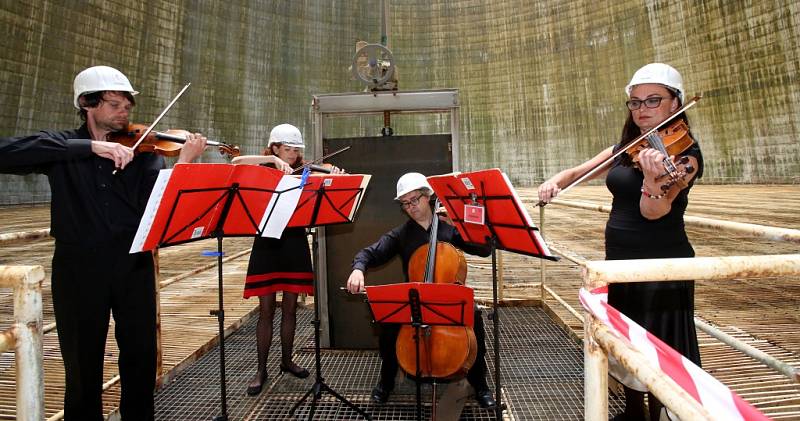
(414, 196)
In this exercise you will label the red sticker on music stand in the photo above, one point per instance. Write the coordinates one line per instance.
(474, 214)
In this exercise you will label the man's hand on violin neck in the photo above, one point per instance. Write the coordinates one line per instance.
(193, 147)
(117, 152)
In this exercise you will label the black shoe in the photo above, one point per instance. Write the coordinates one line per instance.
(256, 389)
(295, 370)
(379, 394)
(485, 399)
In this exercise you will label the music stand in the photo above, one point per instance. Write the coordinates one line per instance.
(326, 200)
(486, 210)
(421, 305)
(192, 202)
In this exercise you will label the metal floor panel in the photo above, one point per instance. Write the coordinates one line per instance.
(541, 369)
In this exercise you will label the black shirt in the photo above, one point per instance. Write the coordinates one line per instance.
(407, 238)
(90, 206)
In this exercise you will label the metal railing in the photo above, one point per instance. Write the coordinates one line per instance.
(599, 340)
(25, 337)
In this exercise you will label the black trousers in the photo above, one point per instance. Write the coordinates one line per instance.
(88, 286)
(387, 339)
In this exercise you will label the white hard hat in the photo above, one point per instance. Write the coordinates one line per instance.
(660, 73)
(412, 181)
(100, 78)
(286, 134)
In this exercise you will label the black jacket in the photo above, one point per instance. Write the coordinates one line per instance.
(90, 206)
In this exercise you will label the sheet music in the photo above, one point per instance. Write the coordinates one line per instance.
(150, 211)
(281, 207)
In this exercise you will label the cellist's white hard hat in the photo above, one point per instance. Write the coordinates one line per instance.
(412, 181)
(286, 134)
(660, 73)
(100, 78)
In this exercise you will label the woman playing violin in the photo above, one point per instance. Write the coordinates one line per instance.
(282, 264)
(646, 221)
(414, 196)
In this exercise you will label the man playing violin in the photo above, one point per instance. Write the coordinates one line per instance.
(646, 221)
(95, 212)
(414, 196)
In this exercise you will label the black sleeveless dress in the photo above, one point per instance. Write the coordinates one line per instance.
(665, 309)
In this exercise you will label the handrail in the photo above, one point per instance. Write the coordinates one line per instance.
(755, 230)
(26, 336)
(601, 273)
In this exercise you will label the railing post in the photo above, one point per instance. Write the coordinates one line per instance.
(28, 324)
(595, 384)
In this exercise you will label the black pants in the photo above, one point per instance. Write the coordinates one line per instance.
(88, 286)
(387, 340)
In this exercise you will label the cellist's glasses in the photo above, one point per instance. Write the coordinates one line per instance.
(414, 201)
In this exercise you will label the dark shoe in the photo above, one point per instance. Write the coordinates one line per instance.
(485, 399)
(295, 370)
(379, 394)
(255, 389)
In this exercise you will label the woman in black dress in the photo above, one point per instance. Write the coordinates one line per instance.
(282, 264)
(646, 223)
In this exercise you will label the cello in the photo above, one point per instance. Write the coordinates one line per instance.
(445, 352)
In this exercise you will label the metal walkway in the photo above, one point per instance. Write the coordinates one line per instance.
(542, 377)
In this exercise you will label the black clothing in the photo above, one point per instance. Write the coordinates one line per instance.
(404, 240)
(665, 309)
(94, 217)
(90, 206)
(280, 264)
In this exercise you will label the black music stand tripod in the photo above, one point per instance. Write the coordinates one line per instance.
(222, 204)
(421, 305)
(319, 385)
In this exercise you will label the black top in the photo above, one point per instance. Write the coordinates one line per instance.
(90, 206)
(665, 309)
(407, 238)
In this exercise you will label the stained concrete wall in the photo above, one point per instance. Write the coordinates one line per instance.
(541, 83)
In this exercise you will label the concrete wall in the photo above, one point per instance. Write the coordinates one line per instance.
(541, 83)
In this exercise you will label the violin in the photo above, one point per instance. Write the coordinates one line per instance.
(670, 141)
(445, 352)
(316, 165)
(167, 143)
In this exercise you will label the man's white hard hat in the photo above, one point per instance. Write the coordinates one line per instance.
(412, 181)
(100, 78)
(660, 73)
(286, 134)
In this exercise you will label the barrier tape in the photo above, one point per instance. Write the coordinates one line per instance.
(720, 401)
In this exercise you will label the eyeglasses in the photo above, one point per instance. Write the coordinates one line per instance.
(414, 201)
(652, 102)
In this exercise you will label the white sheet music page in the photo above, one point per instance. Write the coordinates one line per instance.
(281, 207)
(150, 211)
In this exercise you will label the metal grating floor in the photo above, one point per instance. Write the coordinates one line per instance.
(542, 378)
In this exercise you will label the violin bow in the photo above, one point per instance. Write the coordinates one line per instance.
(622, 150)
(160, 116)
(320, 159)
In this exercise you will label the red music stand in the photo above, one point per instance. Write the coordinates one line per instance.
(326, 200)
(486, 210)
(421, 305)
(192, 202)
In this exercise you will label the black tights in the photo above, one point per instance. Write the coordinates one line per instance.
(264, 330)
(634, 405)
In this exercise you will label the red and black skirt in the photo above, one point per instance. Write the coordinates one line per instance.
(280, 265)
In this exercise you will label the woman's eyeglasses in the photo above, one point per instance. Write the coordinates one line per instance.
(414, 201)
(652, 102)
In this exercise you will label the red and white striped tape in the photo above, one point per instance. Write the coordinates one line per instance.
(720, 401)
